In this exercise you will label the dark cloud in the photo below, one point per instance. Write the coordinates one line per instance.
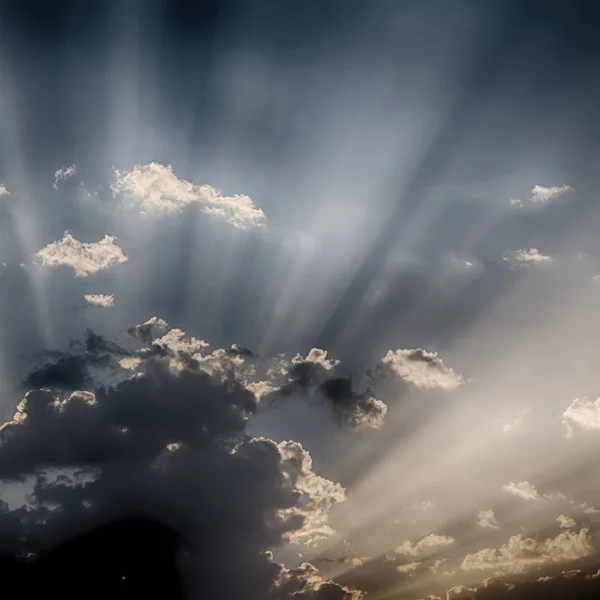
(169, 444)
(71, 370)
(351, 407)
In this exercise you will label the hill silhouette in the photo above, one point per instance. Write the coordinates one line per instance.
(129, 558)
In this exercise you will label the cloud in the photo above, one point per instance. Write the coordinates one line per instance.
(566, 522)
(64, 173)
(516, 202)
(169, 445)
(426, 545)
(319, 495)
(532, 256)
(3, 190)
(487, 519)
(583, 413)
(423, 369)
(83, 257)
(520, 553)
(408, 567)
(353, 408)
(312, 374)
(305, 583)
(522, 489)
(541, 194)
(156, 187)
(104, 300)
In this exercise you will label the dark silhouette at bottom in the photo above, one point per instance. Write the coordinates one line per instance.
(130, 558)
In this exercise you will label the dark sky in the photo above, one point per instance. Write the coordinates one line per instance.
(425, 174)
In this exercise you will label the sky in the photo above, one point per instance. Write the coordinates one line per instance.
(315, 283)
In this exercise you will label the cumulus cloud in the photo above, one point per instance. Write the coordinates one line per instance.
(84, 258)
(156, 187)
(318, 495)
(426, 545)
(487, 519)
(423, 369)
(566, 522)
(532, 256)
(170, 445)
(64, 173)
(520, 553)
(522, 489)
(104, 300)
(3, 190)
(541, 194)
(583, 413)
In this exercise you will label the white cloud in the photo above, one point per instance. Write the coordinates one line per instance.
(156, 187)
(584, 413)
(487, 519)
(318, 495)
(428, 543)
(541, 194)
(423, 369)
(63, 173)
(525, 257)
(3, 190)
(566, 522)
(408, 567)
(318, 357)
(522, 489)
(520, 553)
(104, 300)
(83, 257)
(516, 202)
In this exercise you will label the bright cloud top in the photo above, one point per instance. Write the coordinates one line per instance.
(156, 187)
(423, 369)
(584, 413)
(63, 173)
(103, 300)
(3, 190)
(541, 194)
(83, 257)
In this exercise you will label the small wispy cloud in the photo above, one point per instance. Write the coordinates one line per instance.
(566, 522)
(422, 368)
(83, 257)
(64, 173)
(427, 544)
(487, 519)
(103, 300)
(522, 489)
(541, 194)
(526, 257)
(156, 188)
